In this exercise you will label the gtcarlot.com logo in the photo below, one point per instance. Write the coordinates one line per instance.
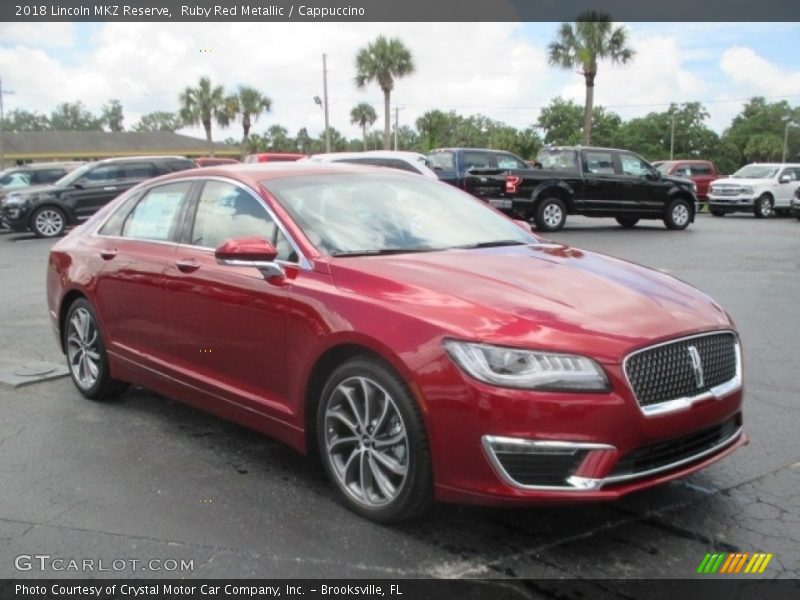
(733, 563)
(47, 562)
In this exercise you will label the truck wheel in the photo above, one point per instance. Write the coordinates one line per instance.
(550, 215)
(763, 207)
(627, 222)
(48, 222)
(718, 213)
(678, 215)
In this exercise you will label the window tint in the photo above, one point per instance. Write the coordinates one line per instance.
(442, 161)
(475, 160)
(506, 161)
(103, 173)
(701, 169)
(18, 179)
(601, 163)
(153, 218)
(50, 175)
(683, 171)
(633, 165)
(226, 211)
(113, 226)
(557, 159)
(139, 170)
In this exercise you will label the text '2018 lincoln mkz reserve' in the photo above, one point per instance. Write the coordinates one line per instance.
(425, 345)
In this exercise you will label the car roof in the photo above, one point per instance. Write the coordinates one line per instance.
(415, 156)
(458, 148)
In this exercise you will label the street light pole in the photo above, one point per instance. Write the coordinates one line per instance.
(785, 138)
(672, 137)
(325, 101)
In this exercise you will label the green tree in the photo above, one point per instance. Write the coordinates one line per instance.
(364, 116)
(251, 105)
(582, 44)
(203, 104)
(113, 116)
(278, 139)
(757, 119)
(763, 147)
(435, 128)
(23, 120)
(303, 141)
(73, 116)
(159, 121)
(561, 122)
(383, 61)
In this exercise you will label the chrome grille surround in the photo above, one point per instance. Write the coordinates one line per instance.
(723, 379)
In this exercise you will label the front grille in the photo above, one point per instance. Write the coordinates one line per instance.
(547, 469)
(669, 371)
(676, 450)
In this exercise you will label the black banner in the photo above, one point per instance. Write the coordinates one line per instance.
(395, 10)
(733, 588)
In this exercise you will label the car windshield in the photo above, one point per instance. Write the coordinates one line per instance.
(12, 179)
(348, 214)
(755, 172)
(73, 176)
(557, 159)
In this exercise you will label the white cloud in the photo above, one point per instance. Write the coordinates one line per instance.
(757, 76)
(49, 35)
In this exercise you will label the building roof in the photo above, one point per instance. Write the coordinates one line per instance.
(39, 145)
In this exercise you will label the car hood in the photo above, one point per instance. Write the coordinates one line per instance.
(737, 181)
(546, 296)
(33, 189)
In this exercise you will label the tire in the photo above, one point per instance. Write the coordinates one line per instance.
(48, 222)
(550, 215)
(87, 359)
(397, 486)
(678, 214)
(763, 207)
(718, 213)
(627, 222)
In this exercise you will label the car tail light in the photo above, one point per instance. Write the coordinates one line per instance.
(512, 181)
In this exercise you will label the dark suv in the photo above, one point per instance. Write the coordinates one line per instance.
(48, 210)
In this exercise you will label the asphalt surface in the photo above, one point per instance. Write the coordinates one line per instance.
(147, 478)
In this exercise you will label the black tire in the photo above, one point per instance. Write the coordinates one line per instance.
(95, 387)
(718, 213)
(763, 207)
(550, 214)
(410, 493)
(678, 214)
(627, 222)
(48, 222)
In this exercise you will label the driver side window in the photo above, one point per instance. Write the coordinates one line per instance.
(633, 165)
(102, 174)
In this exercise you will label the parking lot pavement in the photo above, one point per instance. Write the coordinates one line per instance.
(147, 478)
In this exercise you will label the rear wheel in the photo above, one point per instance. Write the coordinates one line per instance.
(373, 443)
(627, 222)
(678, 215)
(86, 354)
(48, 222)
(763, 207)
(550, 215)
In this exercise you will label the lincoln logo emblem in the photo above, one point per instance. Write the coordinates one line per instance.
(697, 365)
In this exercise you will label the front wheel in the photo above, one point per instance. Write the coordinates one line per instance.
(86, 354)
(763, 208)
(48, 222)
(373, 443)
(678, 215)
(550, 215)
(627, 222)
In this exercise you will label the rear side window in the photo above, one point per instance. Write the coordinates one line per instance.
(226, 211)
(50, 175)
(154, 216)
(113, 226)
(139, 170)
(442, 161)
(178, 164)
(600, 163)
(683, 171)
(103, 173)
(701, 169)
(476, 160)
(506, 161)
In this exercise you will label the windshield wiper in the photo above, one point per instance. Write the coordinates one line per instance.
(380, 251)
(492, 244)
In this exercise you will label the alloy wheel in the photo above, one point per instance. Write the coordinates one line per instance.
(366, 442)
(552, 215)
(680, 215)
(49, 222)
(83, 349)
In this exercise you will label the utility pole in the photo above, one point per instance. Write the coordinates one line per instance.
(397, 110)
(325, 100)
(672, 137)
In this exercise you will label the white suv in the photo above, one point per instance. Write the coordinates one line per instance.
(394, 159)
(760, 188)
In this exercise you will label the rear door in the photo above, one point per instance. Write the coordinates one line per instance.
(785, 191)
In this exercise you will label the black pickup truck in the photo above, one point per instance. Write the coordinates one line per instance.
(595, 182)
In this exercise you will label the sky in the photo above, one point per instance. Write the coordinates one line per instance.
(497, 69)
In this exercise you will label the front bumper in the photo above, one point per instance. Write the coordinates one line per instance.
(581, 442)
(732, 203)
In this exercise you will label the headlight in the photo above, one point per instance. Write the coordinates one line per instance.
(747, 189)
(510, 367)
(14, 200)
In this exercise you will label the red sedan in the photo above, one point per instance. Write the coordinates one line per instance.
(424, 344)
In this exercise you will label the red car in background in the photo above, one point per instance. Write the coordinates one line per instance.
(701, 172)
(215, 161)
(263, 157)
(425, 345)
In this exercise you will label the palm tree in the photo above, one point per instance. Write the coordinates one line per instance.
(251, 104)
(363, 115)
(581, 44)
(382, 61)
(204, 103)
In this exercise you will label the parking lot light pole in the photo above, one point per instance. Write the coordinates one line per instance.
(325, 100)
(785, 136)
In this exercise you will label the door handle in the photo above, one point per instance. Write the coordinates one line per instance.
(108, 253)
(187, 265)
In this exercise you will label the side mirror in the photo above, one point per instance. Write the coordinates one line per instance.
(654, 175)
(784, 179)
(253, 252)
